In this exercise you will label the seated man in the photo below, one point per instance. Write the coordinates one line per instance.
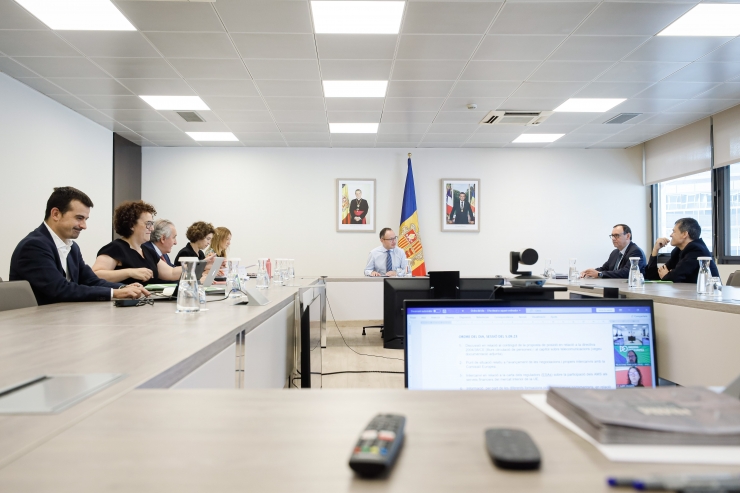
(618, 264)
(51, 262)
(683, 265)
(385, 259)
(163, 238)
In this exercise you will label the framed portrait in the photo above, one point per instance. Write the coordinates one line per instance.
(460, 204)
(355, 205)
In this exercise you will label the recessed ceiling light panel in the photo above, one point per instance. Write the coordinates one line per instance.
(353, 128)
(175, 102)
(355, 88)
(357, 17)
(536, 138)
(213, 136)
(589, 105)
(78, 15)
(707, 19)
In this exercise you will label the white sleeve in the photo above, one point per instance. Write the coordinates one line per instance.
(370, 267)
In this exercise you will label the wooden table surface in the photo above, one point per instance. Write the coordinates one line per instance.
(151, 345)
(300, 440)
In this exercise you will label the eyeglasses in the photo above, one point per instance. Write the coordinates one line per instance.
(149, 224)
(391, 239)
(614, 237)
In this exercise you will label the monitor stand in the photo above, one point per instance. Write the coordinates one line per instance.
(396, 343)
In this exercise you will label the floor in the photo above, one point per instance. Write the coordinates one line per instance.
(338, 357)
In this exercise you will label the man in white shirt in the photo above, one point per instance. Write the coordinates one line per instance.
(52, 263)
(387, 258)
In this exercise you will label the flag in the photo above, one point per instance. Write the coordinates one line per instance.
(472, 198)
(345, 204)
(449, 198)
(408, 234)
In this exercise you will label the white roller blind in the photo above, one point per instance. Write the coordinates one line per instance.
(727, 137)
(679, 153)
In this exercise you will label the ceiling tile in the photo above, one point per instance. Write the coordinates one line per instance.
(95, 115)
(297, 88)
(304, 127)
(449, 17)
(437, 46)
(160, 126)
(413, 104)
(453, 128)
(427, 69)
(408, 117)
(675, 118)
(265, 144)
(46, 87)
(70, 101)
(675, 48)
(707, 106)
(354, 104)
(550, 128)
(729, 90)
(198, 68)
(245, 116)
(193, 45)
(265, 16)
(134, 115)
(612, 89)
(444, 145)
(217, 103)
(430, 137)
(399, 145)
(158, 87)
(61, 67)
(531, 104)
(356, 46)
(707, 72)
(460, 116)
(675, 90)
(263, 45)
(309, 144)
(645, 105)
(13, 16)
(631, 18)
(116, 102)
(460, 104)
(171, 16)
(295, 104)
(403, 128)
(429, 89)
(307, 136)
(491, 89)
(362, 145)
(547, 89)
(602, 118)
(284, 69)
(570, 118)
(260, 137)
(223, 144)
(386, 138)
(174, 135)
(600, 128)
(598, 48)
(541, 17)
(214, 87)
(355, 69)
(729, 52)
(511, 47)
(253, 127)
(582, 138)
(569, 71)
(353, 116)
(606, 145)
(300, 116)
(136, 68)
(481, 144)
(34, 43)
(110, 43)
(14, 69)
(498, 70)
(641, 71)
(341, 138)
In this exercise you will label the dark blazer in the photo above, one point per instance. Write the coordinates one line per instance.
(150, 246)
(187, 251)
(611, 271)
(461, 217)
(37, 261)
(363, 209)
(683, 264)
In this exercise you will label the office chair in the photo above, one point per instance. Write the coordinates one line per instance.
(381, 326)
(734, 279)
(16, 294)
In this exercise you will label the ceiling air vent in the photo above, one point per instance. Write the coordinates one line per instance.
(190, 116)
(521, 118)
(623, 118)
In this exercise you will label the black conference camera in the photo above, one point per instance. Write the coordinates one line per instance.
(528, 256)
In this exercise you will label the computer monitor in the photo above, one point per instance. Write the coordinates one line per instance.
(529, 293)
(529, 345)
(445, 284)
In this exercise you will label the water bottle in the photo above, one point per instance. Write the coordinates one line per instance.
(263, 278)
(549, 271)
(572, 270)
(188, 297)
(408, 272)
(233, 286)
(634, 275)
(704, 275)
(291, 271)
(277, 272)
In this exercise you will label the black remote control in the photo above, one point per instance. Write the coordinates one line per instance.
(378, 446)
(512, 449)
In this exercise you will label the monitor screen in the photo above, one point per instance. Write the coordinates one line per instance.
(529, 345)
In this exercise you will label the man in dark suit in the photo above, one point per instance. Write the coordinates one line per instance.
(618, 263)
(683, 266)
(163, 239)
(358, 208)
(461, 212)
(52, 263)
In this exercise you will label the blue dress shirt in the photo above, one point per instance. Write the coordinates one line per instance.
(377, 259)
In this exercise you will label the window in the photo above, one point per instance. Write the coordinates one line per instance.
(728, 217)
(734, 226)
(690, 196)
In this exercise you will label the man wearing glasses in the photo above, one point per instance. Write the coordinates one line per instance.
(618, 264)
(387, 258)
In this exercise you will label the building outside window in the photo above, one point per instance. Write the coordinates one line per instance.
(691, 196)
(734, 192)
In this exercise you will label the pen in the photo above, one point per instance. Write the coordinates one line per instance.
(715, 482)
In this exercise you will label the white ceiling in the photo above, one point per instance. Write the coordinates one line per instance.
(258, 65)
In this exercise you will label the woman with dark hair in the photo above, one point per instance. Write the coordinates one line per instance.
(634, 377)
(124, 260)
(199, 237)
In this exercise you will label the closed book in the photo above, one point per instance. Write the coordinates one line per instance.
(651, 416)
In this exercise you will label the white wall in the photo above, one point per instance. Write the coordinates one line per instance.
(45, 145)
(279, 202)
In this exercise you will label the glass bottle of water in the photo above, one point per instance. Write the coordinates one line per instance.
(704, 275)
(291, 271)
(549, 271)
(573, 270)
(277, 279)
(634, 275)
(188, 297)
(233, 286)
(263, 278)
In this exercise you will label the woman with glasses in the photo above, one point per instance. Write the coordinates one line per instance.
(199, 236)
(124, 260)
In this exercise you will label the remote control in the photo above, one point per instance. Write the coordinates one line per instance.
(512, 449)
(377, 448)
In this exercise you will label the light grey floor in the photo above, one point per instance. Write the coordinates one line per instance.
(338, 357)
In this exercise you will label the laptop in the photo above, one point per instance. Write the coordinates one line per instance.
(529, 345)
(167, 295)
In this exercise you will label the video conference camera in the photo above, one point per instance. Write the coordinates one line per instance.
(527, 256)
